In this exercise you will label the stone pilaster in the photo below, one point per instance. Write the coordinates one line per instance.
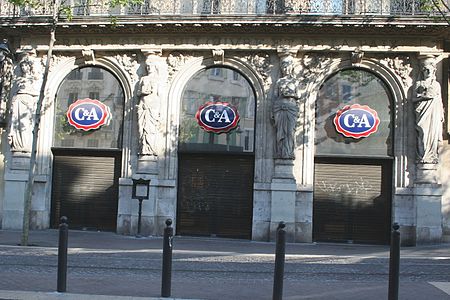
(283, 198)
(428, 213)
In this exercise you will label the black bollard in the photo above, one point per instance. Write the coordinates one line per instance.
(138, 235)
(394, 263)
(62, 255)
(279, 262)
(167, 260)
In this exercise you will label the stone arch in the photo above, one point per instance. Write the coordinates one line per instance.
(181, 78)
(56, 78)
(175, 92)
(399, 113)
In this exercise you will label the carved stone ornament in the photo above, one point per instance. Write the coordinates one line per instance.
(56, 60)
(175, 60)
(357, 56)
(285, 110)
(260, 62)
(6, 74)
(218, 56)
(130, 65)
(23, 106)
(88, 55)
(429, 112)
(401, 65)
(149, 101)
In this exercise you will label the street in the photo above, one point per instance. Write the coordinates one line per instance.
(108, 264)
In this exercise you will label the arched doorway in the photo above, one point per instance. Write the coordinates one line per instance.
(216, 161)
(87, 149)
(353, 159)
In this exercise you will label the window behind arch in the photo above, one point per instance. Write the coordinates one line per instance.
(217, 85)
(347, 87)
(97, 84)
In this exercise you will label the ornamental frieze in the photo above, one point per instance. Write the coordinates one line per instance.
(185, 42)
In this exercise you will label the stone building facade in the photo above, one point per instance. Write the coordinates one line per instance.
(292, 71)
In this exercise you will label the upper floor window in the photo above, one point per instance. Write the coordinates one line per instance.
(75, 75)
(95, 74)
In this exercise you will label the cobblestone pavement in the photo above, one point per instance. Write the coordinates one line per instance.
(110, 264)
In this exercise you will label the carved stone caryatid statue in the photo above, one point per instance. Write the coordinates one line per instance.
(285, 108)
(147, 119)
(23, 108)
(6, 67)
(429, 113)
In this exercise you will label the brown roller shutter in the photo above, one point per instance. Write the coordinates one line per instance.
(352, 200)
(85, 189)
(215, 195)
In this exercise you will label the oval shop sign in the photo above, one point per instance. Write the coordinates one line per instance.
(217, 117)
(88, 114)
(356, 121)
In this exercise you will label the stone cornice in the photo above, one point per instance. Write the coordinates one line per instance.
(303, 24)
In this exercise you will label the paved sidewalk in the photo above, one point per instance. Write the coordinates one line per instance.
(105, 265)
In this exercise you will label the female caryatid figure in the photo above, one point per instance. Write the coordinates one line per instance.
(23, 109)
(429, 113)
(285, 109)
(147, 118)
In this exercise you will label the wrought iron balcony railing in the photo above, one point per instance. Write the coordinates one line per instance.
(237, 7)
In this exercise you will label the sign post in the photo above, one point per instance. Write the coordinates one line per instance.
(141, 189)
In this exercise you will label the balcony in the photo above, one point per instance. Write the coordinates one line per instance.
(198, 8)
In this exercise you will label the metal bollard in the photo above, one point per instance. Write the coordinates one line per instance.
(62, 255)
(279, 262)
(167, 260)
(394, 263)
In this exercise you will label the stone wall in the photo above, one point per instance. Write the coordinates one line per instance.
(282, 191)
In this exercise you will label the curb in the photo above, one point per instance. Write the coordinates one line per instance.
(22, 295)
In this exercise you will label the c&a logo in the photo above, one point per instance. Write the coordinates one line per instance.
(356, 121)
(88, 114)
(217, 117)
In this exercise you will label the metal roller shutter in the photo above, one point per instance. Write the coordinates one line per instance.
(215, 195)
(85, 189)
(352, 201)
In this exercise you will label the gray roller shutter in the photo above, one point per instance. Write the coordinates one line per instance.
(215, 195)
(352, 200)
(85, 189)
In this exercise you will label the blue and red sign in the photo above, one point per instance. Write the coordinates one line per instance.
(88, 114)
(356, 121)
(217, 117)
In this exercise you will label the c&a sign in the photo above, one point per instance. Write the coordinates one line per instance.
(88, 114)
(217, 117)
(356, 121)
